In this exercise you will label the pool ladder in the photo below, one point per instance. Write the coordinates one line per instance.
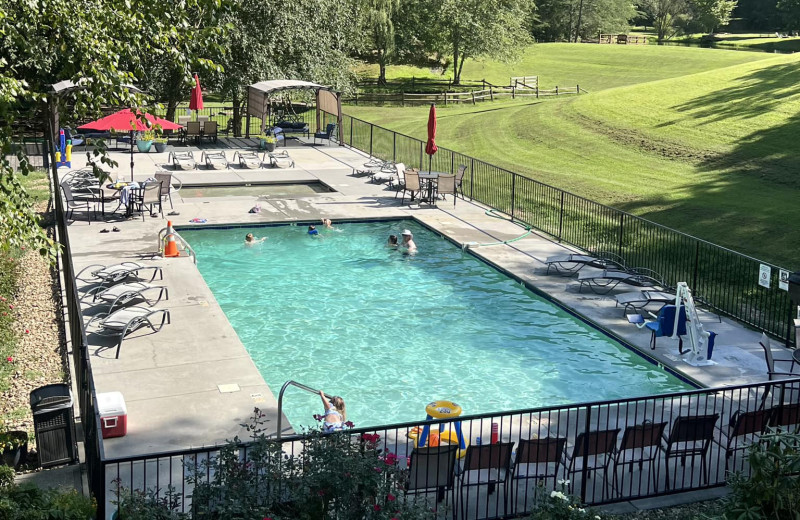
(180, 239)
(301, 386)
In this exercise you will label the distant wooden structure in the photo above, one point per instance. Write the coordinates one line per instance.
(622, 39)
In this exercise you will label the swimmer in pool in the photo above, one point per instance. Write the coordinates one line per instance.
(249, 239)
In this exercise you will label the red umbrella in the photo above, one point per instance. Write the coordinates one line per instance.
(126, 121)
(430, 146)
(196, 103)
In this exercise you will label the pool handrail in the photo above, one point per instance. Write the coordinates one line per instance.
(163, 233)
(301, 386)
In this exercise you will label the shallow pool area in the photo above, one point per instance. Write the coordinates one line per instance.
(391, 332)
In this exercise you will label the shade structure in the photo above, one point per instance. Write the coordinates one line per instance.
(127, 121)
(430, 145)
(196, 102)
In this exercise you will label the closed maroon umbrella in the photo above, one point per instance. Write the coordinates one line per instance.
(196, 102)
(430, 146)
(126, 121)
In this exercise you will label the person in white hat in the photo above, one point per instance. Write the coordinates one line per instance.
(408, 242)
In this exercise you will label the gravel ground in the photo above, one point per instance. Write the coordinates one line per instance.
(711, 509)
(38, 359)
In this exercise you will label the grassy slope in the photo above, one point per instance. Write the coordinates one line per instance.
(642, 148)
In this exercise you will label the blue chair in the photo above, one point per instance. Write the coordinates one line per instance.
(665, 324)
(327, 134)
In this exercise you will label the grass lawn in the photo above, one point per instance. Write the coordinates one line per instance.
(708, 151)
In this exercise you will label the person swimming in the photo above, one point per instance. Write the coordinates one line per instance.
(327, 223)
(392, 241)
(249, 239)
(312, 230)
(408, 243)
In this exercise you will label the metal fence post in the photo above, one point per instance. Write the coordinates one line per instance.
(351, 132)
(561, 217)
(696, 265)
(513, 193)
(621, 229)
(394, 146)
(471, 177)
(585, 448)
(371, 128)
(421, 152)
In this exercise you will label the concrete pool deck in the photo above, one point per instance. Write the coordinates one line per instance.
(193, 384)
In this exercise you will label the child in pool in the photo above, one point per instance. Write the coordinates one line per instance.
(249, 239)
(312, 230)
(335, 413)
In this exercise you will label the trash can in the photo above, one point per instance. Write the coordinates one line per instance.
(54, 424)
(794, 287)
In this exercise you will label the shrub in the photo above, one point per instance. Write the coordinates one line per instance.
(28, 502)
(560, 505)
(337, 475)
(773, 488)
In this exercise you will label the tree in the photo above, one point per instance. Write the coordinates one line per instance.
(479, 28)
(380, 28)
(574, 19)
(708, 15)
(100, 46)
(789, 12)
(667, 16)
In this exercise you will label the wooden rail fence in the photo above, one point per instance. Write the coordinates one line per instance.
(622, 39)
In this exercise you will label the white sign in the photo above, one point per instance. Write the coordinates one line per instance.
(783, 280)
(764, 275)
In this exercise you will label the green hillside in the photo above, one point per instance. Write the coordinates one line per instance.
(710, 153)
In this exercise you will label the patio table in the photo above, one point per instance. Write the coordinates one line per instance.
(427, 181)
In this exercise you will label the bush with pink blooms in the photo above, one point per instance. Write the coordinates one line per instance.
(8, 336)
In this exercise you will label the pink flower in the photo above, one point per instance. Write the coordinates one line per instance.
(391, 459)
(390, 497)
(349, 424)
(377, 469)
(370, 437)
(27, 331)
(10, 359)
(267, 518)
(10, 306)
(377, 507)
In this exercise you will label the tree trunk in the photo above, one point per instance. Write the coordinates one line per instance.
(456, 56)
(578, 25)
(382, 67)
(172, 106)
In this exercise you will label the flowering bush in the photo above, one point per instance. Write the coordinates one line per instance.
(339, 475)
(559, 505)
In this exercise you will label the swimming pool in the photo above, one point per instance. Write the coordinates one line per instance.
(391, 332)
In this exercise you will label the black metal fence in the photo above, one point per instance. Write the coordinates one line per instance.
(602, 452)
(721, 279)
(223, 115)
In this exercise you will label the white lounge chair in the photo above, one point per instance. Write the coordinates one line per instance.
(280, 159)
(569, 264)
(214, 160)
(113, 274)
(124, 293)
(182, 160)
(247, 159)
(393, 175)
(129, 319)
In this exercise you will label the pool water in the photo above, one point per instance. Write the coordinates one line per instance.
(391, 332)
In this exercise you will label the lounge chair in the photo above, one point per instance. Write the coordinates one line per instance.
(569, 264)
(214, 160)
(113, 274)
(247, 159)
(182, 160)
(390, 173)
(605, 280)
(124, 293)
(280, 159)
(638, 300)
(168, 188)
(129, 319)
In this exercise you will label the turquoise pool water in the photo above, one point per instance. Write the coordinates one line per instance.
(391, 332)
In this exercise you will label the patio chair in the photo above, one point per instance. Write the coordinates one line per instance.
(390, 174)
(210, 130)
(80, 202)
(327, 134)
(597, 447)
(124, 293)
(148, 197)
(743, 429)
(606, 280)
(280, 159)
(637, 300)
(486, 465)
(182, 160)
(192, 131)
(771, 360)
(538, 460)
(446, 185)
(641, 443)
(690, 437)
(572, 263)
(214, 160)
(433, 470)
(167, 186)
(127, 320)
(411, 185)
(462, 169)
(247, 159)
(115, 273)
(785, 415)
(664, 325)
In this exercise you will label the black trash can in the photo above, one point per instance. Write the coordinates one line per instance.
(54, 424)
(794, 287)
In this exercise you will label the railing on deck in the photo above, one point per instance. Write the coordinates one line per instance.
(724, 280)
(609, 451)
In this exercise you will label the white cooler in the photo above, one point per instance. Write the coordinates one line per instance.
(113, 414)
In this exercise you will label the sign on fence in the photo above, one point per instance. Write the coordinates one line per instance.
(764, 274)
(783, 280)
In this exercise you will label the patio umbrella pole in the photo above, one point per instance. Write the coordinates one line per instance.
(131, 155)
